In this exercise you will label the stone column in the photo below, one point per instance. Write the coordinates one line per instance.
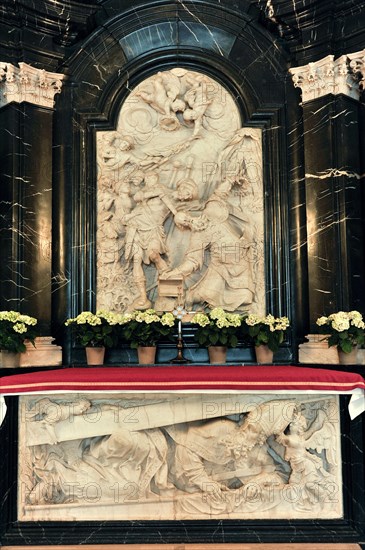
(332, 115)
(26, 115)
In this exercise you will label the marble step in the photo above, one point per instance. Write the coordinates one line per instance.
(182, 546)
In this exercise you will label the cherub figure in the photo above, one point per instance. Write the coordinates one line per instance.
(308, 471)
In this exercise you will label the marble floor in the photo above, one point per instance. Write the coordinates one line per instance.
(248, 546)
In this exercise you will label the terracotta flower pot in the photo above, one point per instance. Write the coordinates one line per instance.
(95, 356)
(264, 355)
(146, 355)
(217, 354)
(9, 359)
(348, 358)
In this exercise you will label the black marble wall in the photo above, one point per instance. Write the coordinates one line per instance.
(314, 203)
(314, 192)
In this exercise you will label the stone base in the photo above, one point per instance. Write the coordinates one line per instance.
(316, 350)
(44, 354)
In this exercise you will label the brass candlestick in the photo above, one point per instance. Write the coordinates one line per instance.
(179, 313)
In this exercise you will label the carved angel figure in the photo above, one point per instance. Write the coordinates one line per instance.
(161, 93)
(303, 446)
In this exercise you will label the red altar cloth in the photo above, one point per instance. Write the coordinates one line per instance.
(192, 378)
(173, 378)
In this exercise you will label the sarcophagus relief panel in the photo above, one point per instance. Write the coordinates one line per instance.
(178, 456)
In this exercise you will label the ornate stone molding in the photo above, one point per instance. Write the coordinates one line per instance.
(357, 64)
(26, 83)
(344, 75)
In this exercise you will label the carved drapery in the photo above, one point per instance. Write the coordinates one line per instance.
(180, 200)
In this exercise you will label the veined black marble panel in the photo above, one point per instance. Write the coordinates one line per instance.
(26, 198)
(334, 202)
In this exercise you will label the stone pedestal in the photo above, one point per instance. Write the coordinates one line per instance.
(316, 350)
(44, 354)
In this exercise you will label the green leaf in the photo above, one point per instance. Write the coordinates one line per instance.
(263, 337)
(346, 346)
(333, 340)
(233, 341)
(223, 339)
(214, 339)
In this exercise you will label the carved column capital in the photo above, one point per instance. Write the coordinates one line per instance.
(357, 64)
(344, 75)
(26, 83)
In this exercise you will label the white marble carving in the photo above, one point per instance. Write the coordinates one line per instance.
(357, 64)
(344, 75)
(178, 456)
(26, 83)
(180, 178)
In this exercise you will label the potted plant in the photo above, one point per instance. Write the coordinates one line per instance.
(15, 328)
(217, 330)
(95, 332)
(346, 330)
(266, 333)
(144, 329)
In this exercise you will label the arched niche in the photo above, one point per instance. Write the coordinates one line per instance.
(180, 200)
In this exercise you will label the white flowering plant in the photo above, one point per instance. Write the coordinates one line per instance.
(344, 329)
(98, 329)
(217, 328)
(15, 328)
(268, 330)
(147, 328)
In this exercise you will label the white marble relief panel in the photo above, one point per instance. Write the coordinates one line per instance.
(178, 456)
(180, 200)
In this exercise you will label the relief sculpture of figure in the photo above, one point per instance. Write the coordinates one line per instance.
(180, 124)
(222, 455)
(277, 456)
(228, 280)
(119, 152)
(161, 94)
(198, 102)
(137, 458)
(127, 465)
(308, 475)
(145, 234)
